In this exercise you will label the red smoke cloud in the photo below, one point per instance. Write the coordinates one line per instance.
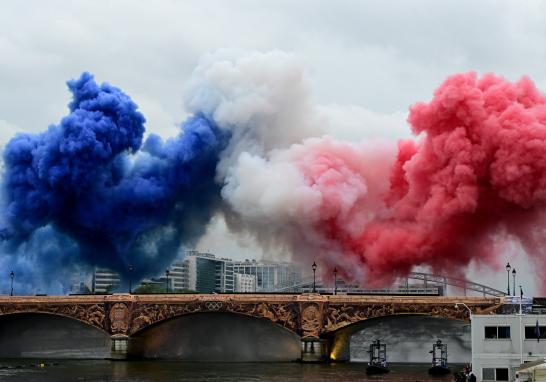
(476, 179)
(470, 185)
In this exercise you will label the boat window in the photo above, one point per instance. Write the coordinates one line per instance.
(530, 332)
(494, 332)
(501, 374)
(504, 332)
(490, 332)
(488, 374)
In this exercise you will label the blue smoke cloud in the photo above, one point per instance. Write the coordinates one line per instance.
(45, 263)
(92, 179)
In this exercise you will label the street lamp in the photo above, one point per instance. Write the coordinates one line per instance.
(335, 280)
(131, 269)
(314, 266)
(520, 314)
(508, 268)
(514, 283)
(12, 275)
(167, 274)
(466, 306)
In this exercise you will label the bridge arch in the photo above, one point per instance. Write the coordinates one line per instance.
(151, 325)
(351, 327)
(34, 334)
(280, 314)
(216, 336)
(339, 316)
(89, 314)
(409, 337)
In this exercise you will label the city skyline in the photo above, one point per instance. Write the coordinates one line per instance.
(202, 272)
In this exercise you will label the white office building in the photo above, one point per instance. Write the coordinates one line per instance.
(270, 276)
(201, 272)
(225, 276)
(105, 280)
(502, 342)
(179, 276)
(245, 283)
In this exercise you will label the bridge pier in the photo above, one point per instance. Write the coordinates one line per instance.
(314, 350)
(120, 346)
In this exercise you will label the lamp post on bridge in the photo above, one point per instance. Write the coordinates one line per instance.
(167, 272)
(520, 314)
(12, 276)
(335, 280)
(508, 268)
(314, 266)
(514, 283)
(467, 308)
(131, 269)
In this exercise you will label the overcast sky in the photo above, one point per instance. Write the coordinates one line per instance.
(368, 60)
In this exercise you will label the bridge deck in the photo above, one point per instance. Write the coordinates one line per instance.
(269, 298)
(309, 315)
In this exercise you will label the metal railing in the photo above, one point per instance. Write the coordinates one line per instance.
(430, 282)
(465, 285)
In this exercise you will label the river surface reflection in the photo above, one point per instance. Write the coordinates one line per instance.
(163, 371)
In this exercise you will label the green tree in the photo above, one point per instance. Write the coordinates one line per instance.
(149, 288)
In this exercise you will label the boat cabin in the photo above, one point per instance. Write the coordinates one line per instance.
(439, 358)
(378, 358)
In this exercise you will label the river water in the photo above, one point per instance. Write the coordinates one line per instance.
(163, 371)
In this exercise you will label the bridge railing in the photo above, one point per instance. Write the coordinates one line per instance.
(465, 285)
(431, 285)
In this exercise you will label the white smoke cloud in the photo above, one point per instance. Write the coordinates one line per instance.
(263, 99)
(287, 198)
(270, 190)
(280, 167)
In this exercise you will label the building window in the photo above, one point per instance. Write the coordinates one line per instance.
(504, 332)
(530, 332)
(488, 374)
(499, 374)
(490, 332)
(497, 332)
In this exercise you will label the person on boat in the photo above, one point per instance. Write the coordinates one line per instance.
(460, 377)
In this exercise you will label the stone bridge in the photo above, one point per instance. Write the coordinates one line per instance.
(313, 317)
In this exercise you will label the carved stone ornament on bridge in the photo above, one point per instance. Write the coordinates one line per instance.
(119, 318)
(213, 305)
(147, 314)
(342, 315)
(92, 314)
(311, 320)
(282, 314)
